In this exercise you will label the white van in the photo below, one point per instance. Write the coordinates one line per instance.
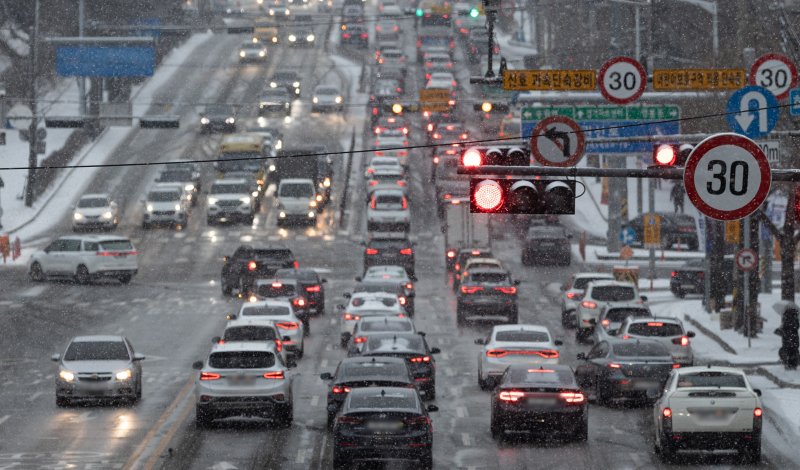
(84, 258)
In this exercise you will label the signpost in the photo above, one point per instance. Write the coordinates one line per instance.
(698, 79)
(598, 122)
(775, 72)
(553, 80)
(752, 111)
(435, 99)
(622, 80)
(727, 176)
(557, 141)
(627, 236)
(651, 224)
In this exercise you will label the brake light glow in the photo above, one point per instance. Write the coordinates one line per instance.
(278, 374)
(507, 290)
(510, 395)
(277, 285)
(757, 412)
(313, 289)
(209, 376)
(360, 339)
(605, 322)
(296, 265)
(407, 251)
(350, 316)
(615, 366)
(251, 265)
(405, 203)
(371, 251)
(401, 183)
(573, 397)
(683, 341)
(287, 325)
(451, 254)
(278, 345)
(337, 389)
(409, 285)
(420, 359)
(676, 366)
(572, 295)
(476, 252)
(299, 302)
(667, 413)
(373, 183)
(588, 304)
(674, 273)
(471, 289)
(655, 323)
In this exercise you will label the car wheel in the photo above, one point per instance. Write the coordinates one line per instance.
(427, 461)
(565, 319)
(82, 274)
(36, 274)
(62, 402)
(430, 392)
(203, 418)
(339, 462)
(601, 394)
(681, 293)
(460, 315)
(582, 435)
(526, 258)
(665, 450)
(125, 278)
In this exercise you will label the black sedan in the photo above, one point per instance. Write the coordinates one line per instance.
(311, 287)
(218, 117)
(390, 251)
(383, 423)
(414, 349)
(675, 228)
(690, 278)
(541, 400)
(625, 368)
(288, 79)
(487, 291)
(547, 244)
(275, 100)
(360, 372)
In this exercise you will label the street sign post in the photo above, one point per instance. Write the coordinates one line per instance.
(622, 80)
(651, 224)
(746, 259)
(627, 236)
(752, 111)
(727, 176)
(434, 100)
(19, 117)
(794, 102)
(775, 72)
(558, 80)
(698, 79)
(557, 141)
(599, 122)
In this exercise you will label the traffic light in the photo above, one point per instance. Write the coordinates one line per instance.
(474, 12)
(489, 108)
(420, 12)
(506, 156)
(521, 196)
(665, 155)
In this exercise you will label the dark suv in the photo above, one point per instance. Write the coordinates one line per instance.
(248, 263)
(389, 251)
(487, 291)
(414, 349)
(311, 286)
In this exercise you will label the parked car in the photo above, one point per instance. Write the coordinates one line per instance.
(675, 229)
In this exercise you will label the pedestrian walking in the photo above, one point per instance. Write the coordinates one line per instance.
(677, 197)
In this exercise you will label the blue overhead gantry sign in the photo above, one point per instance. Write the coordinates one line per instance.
(105, 57)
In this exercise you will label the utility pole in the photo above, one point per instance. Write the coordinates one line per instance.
(32, 141)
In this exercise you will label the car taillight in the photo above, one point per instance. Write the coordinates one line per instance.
(350, 316)
(409, 286)
(757, 417)
(360, 339)
(471, 289)
(338, 390)
(436, 135)
(372, 203)
(674, 273)
(496, 353)
(405, 203)
(278, 374)
(373, 183)
(464, 136)
(252, 265)
(401, 183)
(405, 129)
(667, 413)
(683, 341)
(402, 300)
(574, 398)
(452, 44)
(757, 412)
(655, 323)
(676, 366)
(313, 289)
(349, 420)
(430, 127)
(588, 304)
(458, 266)
(615, 366)
(299, 302)
(345, 35)
(420, 359)
(209, 376)
(277, 285)
(287, 325)
(296, 265)
(371, 251)
(377, 131)
(418, 421)
(507, 290)
(605, 322)
(510, 395)
(374, 111)
(278, 345)
(451, 254)
(364, 35)
(407, 251)
(547, 353)
(436, 159)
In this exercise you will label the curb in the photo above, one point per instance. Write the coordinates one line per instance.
(727, 347)
(775, 379)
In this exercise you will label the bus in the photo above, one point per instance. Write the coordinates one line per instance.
(242, 153)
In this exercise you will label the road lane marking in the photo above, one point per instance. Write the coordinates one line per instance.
(134, 318)
(34, 291)
(36, 382)
(323, 364)
(465, 439)
(461, 412)
(35, 396)
(314, 400)
(4, 419)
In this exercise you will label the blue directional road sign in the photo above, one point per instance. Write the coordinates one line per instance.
(627, 236)
(753, 112)
(794, 102)
(105, 61)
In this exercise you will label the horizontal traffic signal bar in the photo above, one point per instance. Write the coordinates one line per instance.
(522, 196)
(160, 122)
(495, 155)
(673, 173)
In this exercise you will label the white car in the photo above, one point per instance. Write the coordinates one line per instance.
(668, 331)
(254, 329)
(474, 263)
(708, 408)
(378, 164)
(388, 273)
(392, 145)
(515, 344)
(84, 258)
(297, 201)
(327, 98)
(613, 316)
(167, 205)
(388, 211)
(370, 325)
(95, 211)
(387, 178)
(598, 295)
(367, 304)
(282, 314)
(243, 379)
(231, 200)
(573, 293)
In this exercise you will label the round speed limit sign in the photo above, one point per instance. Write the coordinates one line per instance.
(622, 80)
(776, 73)
(727, 176)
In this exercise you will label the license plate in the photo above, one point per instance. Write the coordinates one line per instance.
(241, 380)
(384, 425)
(645, 384)
(541, 401)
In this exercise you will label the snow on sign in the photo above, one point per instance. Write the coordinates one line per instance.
(727, 176)
(557, 141)
(775, 72)
(622, 80)
(746, 259)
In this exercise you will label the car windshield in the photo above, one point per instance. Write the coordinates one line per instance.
(711, 379)
(97, 351)
(241, 360)
(522, 336)
(300, 190)
(489, 278)
(636, 349)
(383, 401)
(249, 333)
(327, 91)
(163, 196)
(235, 188)
(372, 369)
(541, 376)
(388, 202)
(613, 293)
(375, 326)
(219, 111)
(619, 314)
(283, 76)
(92, 202)
(655, 329)
(265, 310)
(581, 282)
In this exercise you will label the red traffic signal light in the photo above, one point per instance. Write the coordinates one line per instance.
(665, 155)
(505, 156)
(522, 196)
(472, 157)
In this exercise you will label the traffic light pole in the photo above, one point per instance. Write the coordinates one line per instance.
(669, 173)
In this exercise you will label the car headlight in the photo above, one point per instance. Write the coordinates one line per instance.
(310, 38)
(274, 39)
(212, 200)
(312, 203)
(282, 215)
(272, 168)
(242, 53)
(188, 187)
(314, 100)
(245, 200)
(273, 85)
(77, 216)
(178, 207)
(204, 120)
(338, 100)
(311, 214)
(262, 53)
(319, 198)
(292, 38)
(326, 182)
(107, 215)
(123, 374)
(230, 120)
(254, 194)
(296, 84)
(149, 208)
(66, 375)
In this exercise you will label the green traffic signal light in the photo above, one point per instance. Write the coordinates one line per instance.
(474, 12)
(419, 12)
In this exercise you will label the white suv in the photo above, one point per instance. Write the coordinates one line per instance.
(85, 258)
(166, 204)
(600, 294)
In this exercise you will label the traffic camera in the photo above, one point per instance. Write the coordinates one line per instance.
(522, 196)
(506, 156)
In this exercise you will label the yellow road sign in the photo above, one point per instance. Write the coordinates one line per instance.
(558, 80)
(652, 230)
(733, 231)
(698, 79)
(435, 100)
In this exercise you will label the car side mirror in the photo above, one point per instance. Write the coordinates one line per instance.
(358, 278)
(644, 298)
(690, 334)
(758, 391)
(55, 357)
(432, 408)
(558, 342)
(347, 295)
(197, 365)
(340, 307)
(581, 356)
(215, 339)
(138, 357)
(517, 282)
(480, 341)
(435, 350)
